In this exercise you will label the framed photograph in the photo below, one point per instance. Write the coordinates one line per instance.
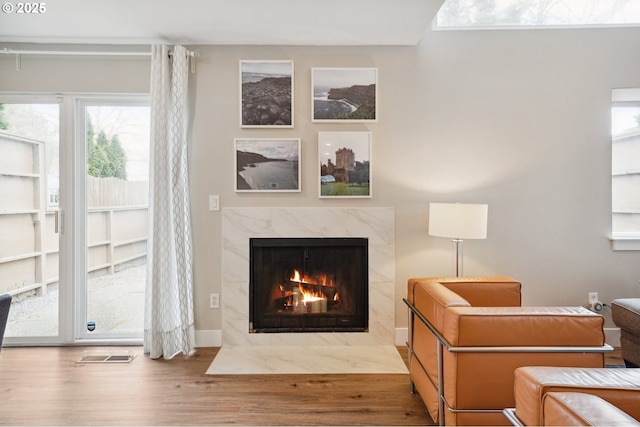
(266, 94)
(345, 164)
(344, 95)
(267, 165)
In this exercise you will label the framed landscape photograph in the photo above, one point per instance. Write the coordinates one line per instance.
(266, 94)
(345, 164)
(344, 95)
(267, 165)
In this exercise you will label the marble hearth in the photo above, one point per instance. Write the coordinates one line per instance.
(240, 224)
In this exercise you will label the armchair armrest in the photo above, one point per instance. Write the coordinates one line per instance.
(579, 409)
(576, 409)
(620, 387)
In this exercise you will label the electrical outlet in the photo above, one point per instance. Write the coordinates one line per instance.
(593, 298)
(214, 300)
(594, 302)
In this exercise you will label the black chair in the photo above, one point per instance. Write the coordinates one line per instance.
(5, 304)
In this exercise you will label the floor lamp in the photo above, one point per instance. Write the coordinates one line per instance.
(458, 221)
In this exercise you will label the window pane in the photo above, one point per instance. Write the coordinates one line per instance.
(117, 141)
(510, 13)
(29, 185)
(625, 170)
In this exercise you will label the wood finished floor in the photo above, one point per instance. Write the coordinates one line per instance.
(44, 386)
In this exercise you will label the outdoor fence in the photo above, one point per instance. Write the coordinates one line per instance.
(29, 240)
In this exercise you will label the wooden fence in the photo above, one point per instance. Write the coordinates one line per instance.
(29, 243)
(116, 192)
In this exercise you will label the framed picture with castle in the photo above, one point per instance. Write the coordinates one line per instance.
(345, 164)
(344, 95)
(266, 94)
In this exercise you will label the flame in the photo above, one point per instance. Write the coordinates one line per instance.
(321, 280)
(307, 293)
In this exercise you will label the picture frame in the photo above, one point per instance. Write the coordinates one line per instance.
(344, 95)
(266, 94)
(344, 165)
(267, 165)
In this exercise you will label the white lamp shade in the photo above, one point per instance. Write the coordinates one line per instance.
(458, 220)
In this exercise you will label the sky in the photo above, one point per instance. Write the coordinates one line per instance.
(540, 12)
(330, 142)
(268, 67)
(623, 118)
(343, 77)
(132, 125)
(271, 148)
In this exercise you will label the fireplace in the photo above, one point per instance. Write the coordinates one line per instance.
(308, 285)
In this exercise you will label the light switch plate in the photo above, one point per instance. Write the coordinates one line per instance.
(214, 203)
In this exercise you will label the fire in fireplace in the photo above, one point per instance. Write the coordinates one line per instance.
(308, 285)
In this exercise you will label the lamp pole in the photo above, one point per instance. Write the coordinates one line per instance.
(457, 249)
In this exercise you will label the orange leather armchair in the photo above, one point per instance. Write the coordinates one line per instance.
(468, 335)
(575, 396)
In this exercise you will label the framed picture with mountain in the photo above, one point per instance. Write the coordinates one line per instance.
(266, 94)
(344, 95)
(267, 165)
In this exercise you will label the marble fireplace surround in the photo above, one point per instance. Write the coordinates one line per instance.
(240, 224)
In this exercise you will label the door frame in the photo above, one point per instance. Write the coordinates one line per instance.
(72, 274)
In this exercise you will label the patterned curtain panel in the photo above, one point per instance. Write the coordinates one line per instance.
(168, 323)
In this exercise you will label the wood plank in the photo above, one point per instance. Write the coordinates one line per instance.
(44, 386)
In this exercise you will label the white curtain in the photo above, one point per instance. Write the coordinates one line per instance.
(168, 323)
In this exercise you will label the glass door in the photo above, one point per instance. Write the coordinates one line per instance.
(115, 175)
(73, 217)
(30, 217)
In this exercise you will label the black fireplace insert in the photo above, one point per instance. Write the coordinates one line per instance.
(308, 285)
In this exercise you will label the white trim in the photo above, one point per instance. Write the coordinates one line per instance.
(402, 336)
(625, 243)
(625, 95)
(208, 338)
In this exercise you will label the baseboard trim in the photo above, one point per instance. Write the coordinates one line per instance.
(402, 336)
(612, 336)
(208, 338)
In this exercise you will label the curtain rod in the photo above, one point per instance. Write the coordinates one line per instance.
(72, 52)
(191, 54)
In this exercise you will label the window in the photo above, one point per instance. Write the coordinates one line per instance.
(456, 14)
(625, 166)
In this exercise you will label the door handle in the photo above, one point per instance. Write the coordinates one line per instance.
(59, 222)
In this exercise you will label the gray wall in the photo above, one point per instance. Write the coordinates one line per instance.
(516, 119)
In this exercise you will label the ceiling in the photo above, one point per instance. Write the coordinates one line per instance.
(223, 22)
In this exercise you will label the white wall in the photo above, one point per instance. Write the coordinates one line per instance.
(516, 119)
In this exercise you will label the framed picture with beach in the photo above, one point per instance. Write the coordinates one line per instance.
(340, 95)
(345, 165)
(267, 164)
(266, 94)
